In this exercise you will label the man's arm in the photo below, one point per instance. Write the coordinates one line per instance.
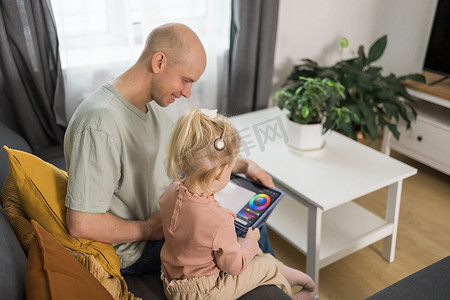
(107, 228)
(252, 171)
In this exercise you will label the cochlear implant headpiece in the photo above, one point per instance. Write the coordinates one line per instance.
(219, 143)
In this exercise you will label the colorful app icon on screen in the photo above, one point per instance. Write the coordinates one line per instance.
(259, 201)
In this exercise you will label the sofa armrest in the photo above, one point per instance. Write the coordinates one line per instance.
(13, 262)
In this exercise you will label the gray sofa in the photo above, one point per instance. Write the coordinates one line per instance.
(432, 282)
(13, 260)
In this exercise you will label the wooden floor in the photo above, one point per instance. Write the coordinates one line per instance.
(423, 238)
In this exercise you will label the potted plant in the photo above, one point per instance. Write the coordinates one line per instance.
(375, 99)
(314, 105)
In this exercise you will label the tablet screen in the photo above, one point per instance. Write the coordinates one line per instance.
(251, 201)
(234, 197)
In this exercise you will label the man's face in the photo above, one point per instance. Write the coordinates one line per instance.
(176, 79)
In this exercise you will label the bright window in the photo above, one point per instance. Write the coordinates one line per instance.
(99, 39)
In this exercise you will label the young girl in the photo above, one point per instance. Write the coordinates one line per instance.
(202, 257)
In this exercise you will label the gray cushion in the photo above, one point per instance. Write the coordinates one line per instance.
(53, 155)
(266, 292)
(14, 141)
(13, 262)
(146, 286)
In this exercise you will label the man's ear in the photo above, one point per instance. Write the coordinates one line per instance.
(159, 62)
(220, 174)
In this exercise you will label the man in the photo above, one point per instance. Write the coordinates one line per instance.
(115, 149)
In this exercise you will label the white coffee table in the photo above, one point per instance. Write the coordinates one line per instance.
(319, 218)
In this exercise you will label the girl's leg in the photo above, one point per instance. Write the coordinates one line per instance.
(264, 269)
(296, 277)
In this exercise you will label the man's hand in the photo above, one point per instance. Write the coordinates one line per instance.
(153, 227)
(253, 171)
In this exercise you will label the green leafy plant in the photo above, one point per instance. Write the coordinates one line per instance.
(315, 100)
(375, 100)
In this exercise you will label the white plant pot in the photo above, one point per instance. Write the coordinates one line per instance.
(304, 136)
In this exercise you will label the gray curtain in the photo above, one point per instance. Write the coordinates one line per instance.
(252, 46)
(31, 82)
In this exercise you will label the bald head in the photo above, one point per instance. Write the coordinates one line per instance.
(177, 41)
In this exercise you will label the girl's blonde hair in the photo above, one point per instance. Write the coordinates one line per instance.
(192, 152)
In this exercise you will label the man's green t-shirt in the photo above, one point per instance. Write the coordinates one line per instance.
(116, 160)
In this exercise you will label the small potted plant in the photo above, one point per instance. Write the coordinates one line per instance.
(314, 106)
(377, 100)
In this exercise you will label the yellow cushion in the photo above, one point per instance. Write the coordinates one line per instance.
(42, 191)
(53, 273)
(21, 224)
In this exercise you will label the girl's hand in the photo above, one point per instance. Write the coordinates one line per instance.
(253, 233)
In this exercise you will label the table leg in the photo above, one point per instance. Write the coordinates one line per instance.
(313, 246)
(392, 215)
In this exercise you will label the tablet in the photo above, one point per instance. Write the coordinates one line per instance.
(250, 200)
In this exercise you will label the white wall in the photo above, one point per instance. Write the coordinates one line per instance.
(312, 29)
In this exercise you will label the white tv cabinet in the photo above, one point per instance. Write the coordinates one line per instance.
(429, 139)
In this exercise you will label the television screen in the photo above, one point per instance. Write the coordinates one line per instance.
(437, 57)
